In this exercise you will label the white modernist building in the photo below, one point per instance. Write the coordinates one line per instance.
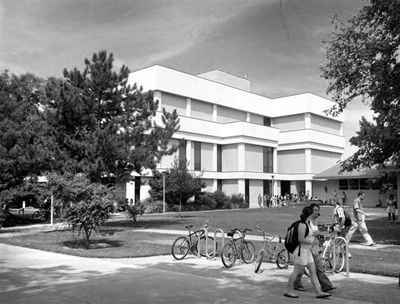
(245, 143)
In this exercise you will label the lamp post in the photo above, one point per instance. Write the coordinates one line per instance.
(163, 180)
(272, 190)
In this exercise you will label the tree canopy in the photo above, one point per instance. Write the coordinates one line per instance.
(27, 146)
(89, 122)
(363, 61)
(180, 184)
(106, 127)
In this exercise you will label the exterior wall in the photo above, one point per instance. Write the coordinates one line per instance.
(257, 119)
(253, 158)
(167, 160)
(289, 123)
(225, 115)
(325, 125)
(371, 196)
(215, 109)
(230, 186)
(229, 158)
(202, 110)
(207, 159)
(256, 188)
(321, 160)
(209, 183)
(174, 102)
(291, 162)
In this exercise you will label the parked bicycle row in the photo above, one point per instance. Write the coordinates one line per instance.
(332, 250)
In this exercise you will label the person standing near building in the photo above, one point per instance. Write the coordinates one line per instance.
(391, 208)
(260, 200)
(358, 221)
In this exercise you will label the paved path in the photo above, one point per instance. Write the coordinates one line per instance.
(33, 276)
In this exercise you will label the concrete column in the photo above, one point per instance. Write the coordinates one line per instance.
(241, 185)
(188, 107)
(307, 120)
(308, 187)
(248, 117)
(215, 185)
(158, 95)
(215, 112)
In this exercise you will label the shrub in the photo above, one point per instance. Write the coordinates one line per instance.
(207, 201)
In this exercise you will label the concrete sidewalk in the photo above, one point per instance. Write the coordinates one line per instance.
(33, 276)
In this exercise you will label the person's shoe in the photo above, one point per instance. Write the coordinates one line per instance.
(301, 288)
(349, 255)
(290, 295)
(324, 295)
(329, 289)
(372, 244)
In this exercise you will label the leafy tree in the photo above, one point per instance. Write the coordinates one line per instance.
(27, 142)
(107, 128)
(363, 61)
(180, 184)
(86, 206)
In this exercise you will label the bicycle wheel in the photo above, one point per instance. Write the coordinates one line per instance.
(210, 246)
(283, 259)
(248, 252)
(260, 259)
(327, 258)
(228, 255)
(340, 257)
(36, 215)
(180, 248)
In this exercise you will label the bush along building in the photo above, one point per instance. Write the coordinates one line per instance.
(243, 142)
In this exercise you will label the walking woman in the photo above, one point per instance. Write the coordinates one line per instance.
(305, 259)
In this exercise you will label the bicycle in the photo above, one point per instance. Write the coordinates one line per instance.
(237, 248)
(276, 253)
(43, 215)
(183, 244)
(333, 257)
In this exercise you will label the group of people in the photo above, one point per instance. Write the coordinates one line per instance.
(307, 253)
(289, 199)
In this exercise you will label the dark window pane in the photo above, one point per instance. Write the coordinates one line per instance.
(343, 184)
(219, 158)
(353, 184)
(197, 155)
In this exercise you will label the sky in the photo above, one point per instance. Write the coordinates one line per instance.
(276, 44)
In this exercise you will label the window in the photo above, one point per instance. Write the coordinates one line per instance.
(267, 121)
(268, 160)
(364, 184)
(219, 184)
(197, 156)
(246, 190)
(219, 158)
(182, 151)
(266, 187)
(353, 184)
(343, 184)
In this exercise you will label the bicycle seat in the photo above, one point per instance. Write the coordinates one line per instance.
(189, 226)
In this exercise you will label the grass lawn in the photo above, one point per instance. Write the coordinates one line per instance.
(119, 238)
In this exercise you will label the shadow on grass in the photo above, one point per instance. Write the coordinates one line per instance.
(93, 244)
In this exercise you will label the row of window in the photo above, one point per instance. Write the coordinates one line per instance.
(356, 184)
(268, 156)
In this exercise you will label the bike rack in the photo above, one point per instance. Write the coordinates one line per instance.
(215, 242)
(347, 254)
(198, 241)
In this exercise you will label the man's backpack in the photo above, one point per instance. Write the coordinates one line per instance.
(292, 237)
(347, 221)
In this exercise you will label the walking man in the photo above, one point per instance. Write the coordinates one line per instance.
(358, 221)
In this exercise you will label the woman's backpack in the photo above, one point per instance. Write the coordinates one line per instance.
(292, 236)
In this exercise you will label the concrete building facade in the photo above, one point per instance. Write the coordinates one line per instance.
(243, 142)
